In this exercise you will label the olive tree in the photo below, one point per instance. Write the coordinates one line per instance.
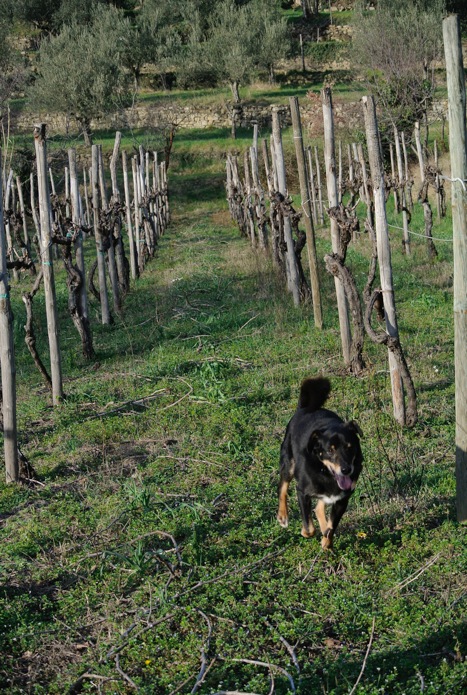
(239, 39)
(396, 46)
(81, 70)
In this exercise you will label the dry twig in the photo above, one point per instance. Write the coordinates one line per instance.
(204, 649)
(362, 670)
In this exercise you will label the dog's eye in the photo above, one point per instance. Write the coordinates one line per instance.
(332, 447)
(349, 445)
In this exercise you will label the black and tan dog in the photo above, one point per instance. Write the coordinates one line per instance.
(323, 453)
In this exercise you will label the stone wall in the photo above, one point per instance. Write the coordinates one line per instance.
(347, 116)
(186, 117)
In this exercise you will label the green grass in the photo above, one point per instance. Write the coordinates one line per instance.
(152, 535)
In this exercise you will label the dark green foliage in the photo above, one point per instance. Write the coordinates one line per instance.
(323, 51)
(238, 40)
(81, 71)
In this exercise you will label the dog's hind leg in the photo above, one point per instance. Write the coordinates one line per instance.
(287, 467)
(304, 501)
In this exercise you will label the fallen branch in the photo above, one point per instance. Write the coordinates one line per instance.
(204, 650)
(362, 670)
(287, 645)
(140, 401)
(124, 675)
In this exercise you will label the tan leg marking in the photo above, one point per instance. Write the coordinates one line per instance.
(282, 514)
(308, 532)
(321, 516)
(325, 526)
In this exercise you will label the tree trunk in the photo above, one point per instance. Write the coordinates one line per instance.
(85, 124)
(234, 86)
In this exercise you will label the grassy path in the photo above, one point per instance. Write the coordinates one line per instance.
(150, 552)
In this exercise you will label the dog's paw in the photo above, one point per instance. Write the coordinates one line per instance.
(308, 532)
(283, 520)
(326, 541)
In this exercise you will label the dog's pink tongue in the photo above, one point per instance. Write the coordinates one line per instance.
(344, 482)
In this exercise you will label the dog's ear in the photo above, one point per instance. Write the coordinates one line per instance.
(354, 427)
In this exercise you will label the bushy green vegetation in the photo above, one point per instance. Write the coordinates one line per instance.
(150, 545)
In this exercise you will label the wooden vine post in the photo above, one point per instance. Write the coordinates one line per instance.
(105, 311)
(293, 281)
(423, 195)
(306, 206)
(457, 144)
(129, 225)
(76, 218)
(333, 198)
(7, 359)
(115, 204)
(400, 173)
(47, 264)
(105, 211)
(384, 251)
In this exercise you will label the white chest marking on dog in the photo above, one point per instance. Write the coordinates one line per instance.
(331, 499)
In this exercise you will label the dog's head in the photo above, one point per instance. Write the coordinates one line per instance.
(338, 449)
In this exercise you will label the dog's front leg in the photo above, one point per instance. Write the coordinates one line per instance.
(304, 502)
(337, 511)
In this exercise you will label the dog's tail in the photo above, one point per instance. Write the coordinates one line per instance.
(313, 393)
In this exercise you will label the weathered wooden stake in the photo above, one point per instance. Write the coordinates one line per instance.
(117, 232)
(438, 195)
(306, 207)
(333, 198)
(113, 275)
(423, 196)
(311, 178)
(291, 261)
(384, 251)
(248, 203)
(7, 358)
(260, 209)
(77, 222)
(47, 264)
(318, 184)
(105, 311)
(457, 144)
(341, 172)
(408, 179)
(129, 225)
(400, 172)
